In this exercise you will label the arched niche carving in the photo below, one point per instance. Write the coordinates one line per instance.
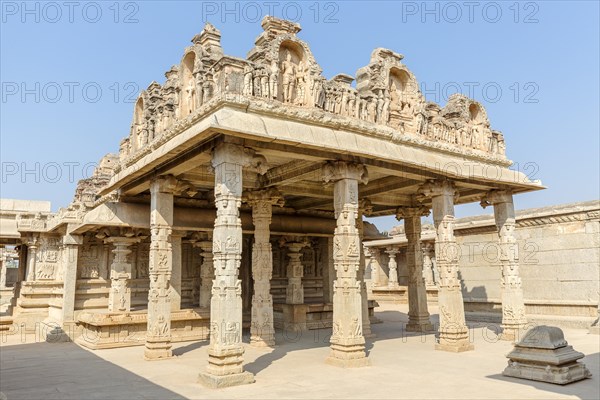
(188, 85)
(400, 79)
(293, 72)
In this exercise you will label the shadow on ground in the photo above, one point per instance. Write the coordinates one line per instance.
(38, 371)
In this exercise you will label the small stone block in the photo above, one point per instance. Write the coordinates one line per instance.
(349, 362)
(221, 381)
(544, 355)
(458, 347)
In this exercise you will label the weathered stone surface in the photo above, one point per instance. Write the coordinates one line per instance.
(544, 355)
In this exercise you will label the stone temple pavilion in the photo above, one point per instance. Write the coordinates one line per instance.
(237, 200)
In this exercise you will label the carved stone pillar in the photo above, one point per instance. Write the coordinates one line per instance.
(294, 309)
(365, 208)
(375, 267)
(513, 306)
(176, 271)
(119, 297)
(158, 337)
(328, 271)
(392, 267)
(418, 315)
(103, 269)
(453, 331)
(207, 272)
(347, 340)
(262, 332)
(71, 245)
(368, 266)
(294, 293)
(428, 265)
(32, 245)
(3, 266)
(69, 256)
(225, 350)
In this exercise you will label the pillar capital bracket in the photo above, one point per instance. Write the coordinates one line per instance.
(392, 250)
(122, 240)
(239, 155)
(334, 171)
(496, 197)
(365, 206)
(197, 237)
(32, 240)
(439, 187)
(294, 243)
(170, 184)
(404, 212)
(269, 195)
(72, 239)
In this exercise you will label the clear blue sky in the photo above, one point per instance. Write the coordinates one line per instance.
(542, 56)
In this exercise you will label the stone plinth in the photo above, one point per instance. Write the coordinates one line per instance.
(105, 330)
(544, 355)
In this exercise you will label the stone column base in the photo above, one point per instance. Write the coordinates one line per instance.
(348, 358)
(221, 381)
(511, 334)
(57, 335)
(369, 335)
(294, 317)
(262, 341)
(155, 351)
(458, 347)
(419, 326)
(560, 375)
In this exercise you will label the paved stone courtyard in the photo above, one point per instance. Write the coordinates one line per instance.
(402, 367)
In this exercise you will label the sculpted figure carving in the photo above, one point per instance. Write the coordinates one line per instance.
(288, 69)
(351, 107)
(247, 91)
(264, 82)
(380, 101)
(395, 101)
(256, 85)
(371, 110)
(207, 88)
(386, 107)
(190, 95)
(274, 79)
(301, 85)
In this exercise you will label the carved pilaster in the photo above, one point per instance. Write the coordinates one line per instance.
(428, 264)
(71, 245)
(207, 272)
(364, 208)
(375, 266)
(347, 340)
(453, 331)
(392, 267)
(119, 298)
(32, 246)
(513, 306)
(225, 350)
(262, 332)
(158, 337)
(177, 270)
(3, 266)
(295, 270)
(418, 315)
